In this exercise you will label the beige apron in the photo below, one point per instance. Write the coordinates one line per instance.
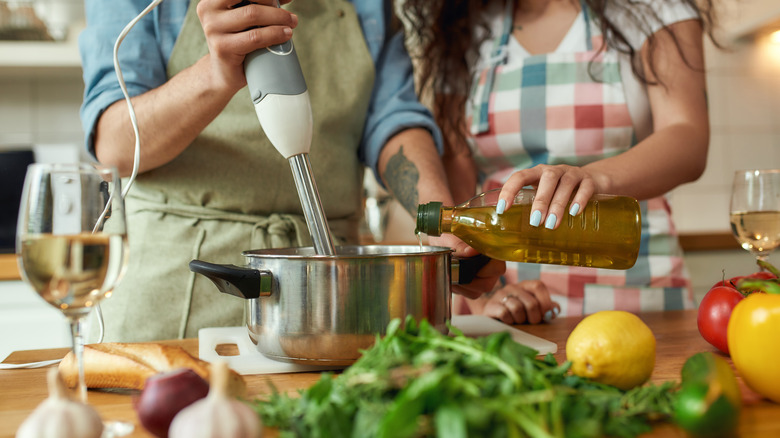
(231, 191)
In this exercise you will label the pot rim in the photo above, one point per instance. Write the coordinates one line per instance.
(349, 252)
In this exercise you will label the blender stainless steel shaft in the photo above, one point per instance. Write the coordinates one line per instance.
(282, 104)
(310, 202)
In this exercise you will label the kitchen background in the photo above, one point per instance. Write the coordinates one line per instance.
(41, 90)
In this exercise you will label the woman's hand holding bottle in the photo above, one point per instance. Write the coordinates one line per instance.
(555, 185)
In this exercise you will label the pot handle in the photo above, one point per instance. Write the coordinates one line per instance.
(234, 280)
(464, 270)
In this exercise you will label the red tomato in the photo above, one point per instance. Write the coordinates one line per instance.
(713, 315)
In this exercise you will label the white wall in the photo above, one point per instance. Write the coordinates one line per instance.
(744, 94)
(42, 112)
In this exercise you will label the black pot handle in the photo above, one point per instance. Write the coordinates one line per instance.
(235, 280)
(464, 270)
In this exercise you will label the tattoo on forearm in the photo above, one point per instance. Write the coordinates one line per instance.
(402, 177)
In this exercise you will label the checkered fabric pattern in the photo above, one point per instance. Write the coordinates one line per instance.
(570, 108)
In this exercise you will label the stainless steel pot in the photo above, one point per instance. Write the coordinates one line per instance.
(315, 309)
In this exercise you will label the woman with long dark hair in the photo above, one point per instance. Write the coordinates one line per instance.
(574, 97)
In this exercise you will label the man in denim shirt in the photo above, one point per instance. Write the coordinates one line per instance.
(210, 184)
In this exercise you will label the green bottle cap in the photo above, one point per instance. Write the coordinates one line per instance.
(428, 217)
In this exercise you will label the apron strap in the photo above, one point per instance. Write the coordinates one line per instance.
(479, 121)
(273, 231)
(499, 45)
(190, 291)
(586, 18)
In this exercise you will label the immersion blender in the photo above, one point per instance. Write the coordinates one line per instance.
(281, 100)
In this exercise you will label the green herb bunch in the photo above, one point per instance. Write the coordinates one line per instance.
(417, 382)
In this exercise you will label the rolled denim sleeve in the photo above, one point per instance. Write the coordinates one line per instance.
(394, 105)
(141, 58)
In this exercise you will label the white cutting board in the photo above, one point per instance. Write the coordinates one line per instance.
(251, 361)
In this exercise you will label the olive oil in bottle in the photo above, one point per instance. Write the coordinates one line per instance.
(606, 234)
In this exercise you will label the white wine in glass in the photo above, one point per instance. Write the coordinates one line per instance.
(71, 240)
(755, 210)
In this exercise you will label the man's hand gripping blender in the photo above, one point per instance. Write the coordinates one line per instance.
(281, 100)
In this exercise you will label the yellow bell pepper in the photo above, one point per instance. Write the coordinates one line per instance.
(753, 333)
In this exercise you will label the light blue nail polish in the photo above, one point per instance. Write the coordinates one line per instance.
(575, 208)
(550, 222)
(536, 218)
(501, 206)
(556, 310)
(548, 315)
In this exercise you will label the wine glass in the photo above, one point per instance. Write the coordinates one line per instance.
(755, 210)
(71, 240)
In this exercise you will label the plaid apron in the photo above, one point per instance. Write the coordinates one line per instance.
(569, 107)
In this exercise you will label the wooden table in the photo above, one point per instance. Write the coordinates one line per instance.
(676, 334)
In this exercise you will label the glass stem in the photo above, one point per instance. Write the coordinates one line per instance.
(76, 329)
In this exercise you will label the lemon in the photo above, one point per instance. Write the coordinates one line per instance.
(612, 347)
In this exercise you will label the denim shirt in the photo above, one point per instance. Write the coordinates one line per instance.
(144, 54)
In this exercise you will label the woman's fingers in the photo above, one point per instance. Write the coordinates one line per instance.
(522, 307)
(515, 183)
(585, 191)
(527, 301)
(553, 200)
(498, 310)
(548, 309)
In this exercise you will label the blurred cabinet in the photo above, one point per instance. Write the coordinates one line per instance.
(41, 58)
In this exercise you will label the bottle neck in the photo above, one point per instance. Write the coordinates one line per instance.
(445, 223)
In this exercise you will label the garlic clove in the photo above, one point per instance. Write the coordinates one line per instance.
(59, 416)
(218, 415)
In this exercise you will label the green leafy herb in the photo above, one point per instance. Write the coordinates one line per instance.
(417, 382)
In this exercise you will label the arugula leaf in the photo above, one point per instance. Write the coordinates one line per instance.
(417, 382)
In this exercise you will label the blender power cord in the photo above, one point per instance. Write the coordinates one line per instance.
(133, 121)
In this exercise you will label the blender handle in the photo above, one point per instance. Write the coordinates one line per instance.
(464, 270)
(235, 280)
(280, 96)
(273, 70)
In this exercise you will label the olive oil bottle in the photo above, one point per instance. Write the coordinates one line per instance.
(606, 234)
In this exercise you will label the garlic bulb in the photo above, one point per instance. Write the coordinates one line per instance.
(218, 415)
(59, 416)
